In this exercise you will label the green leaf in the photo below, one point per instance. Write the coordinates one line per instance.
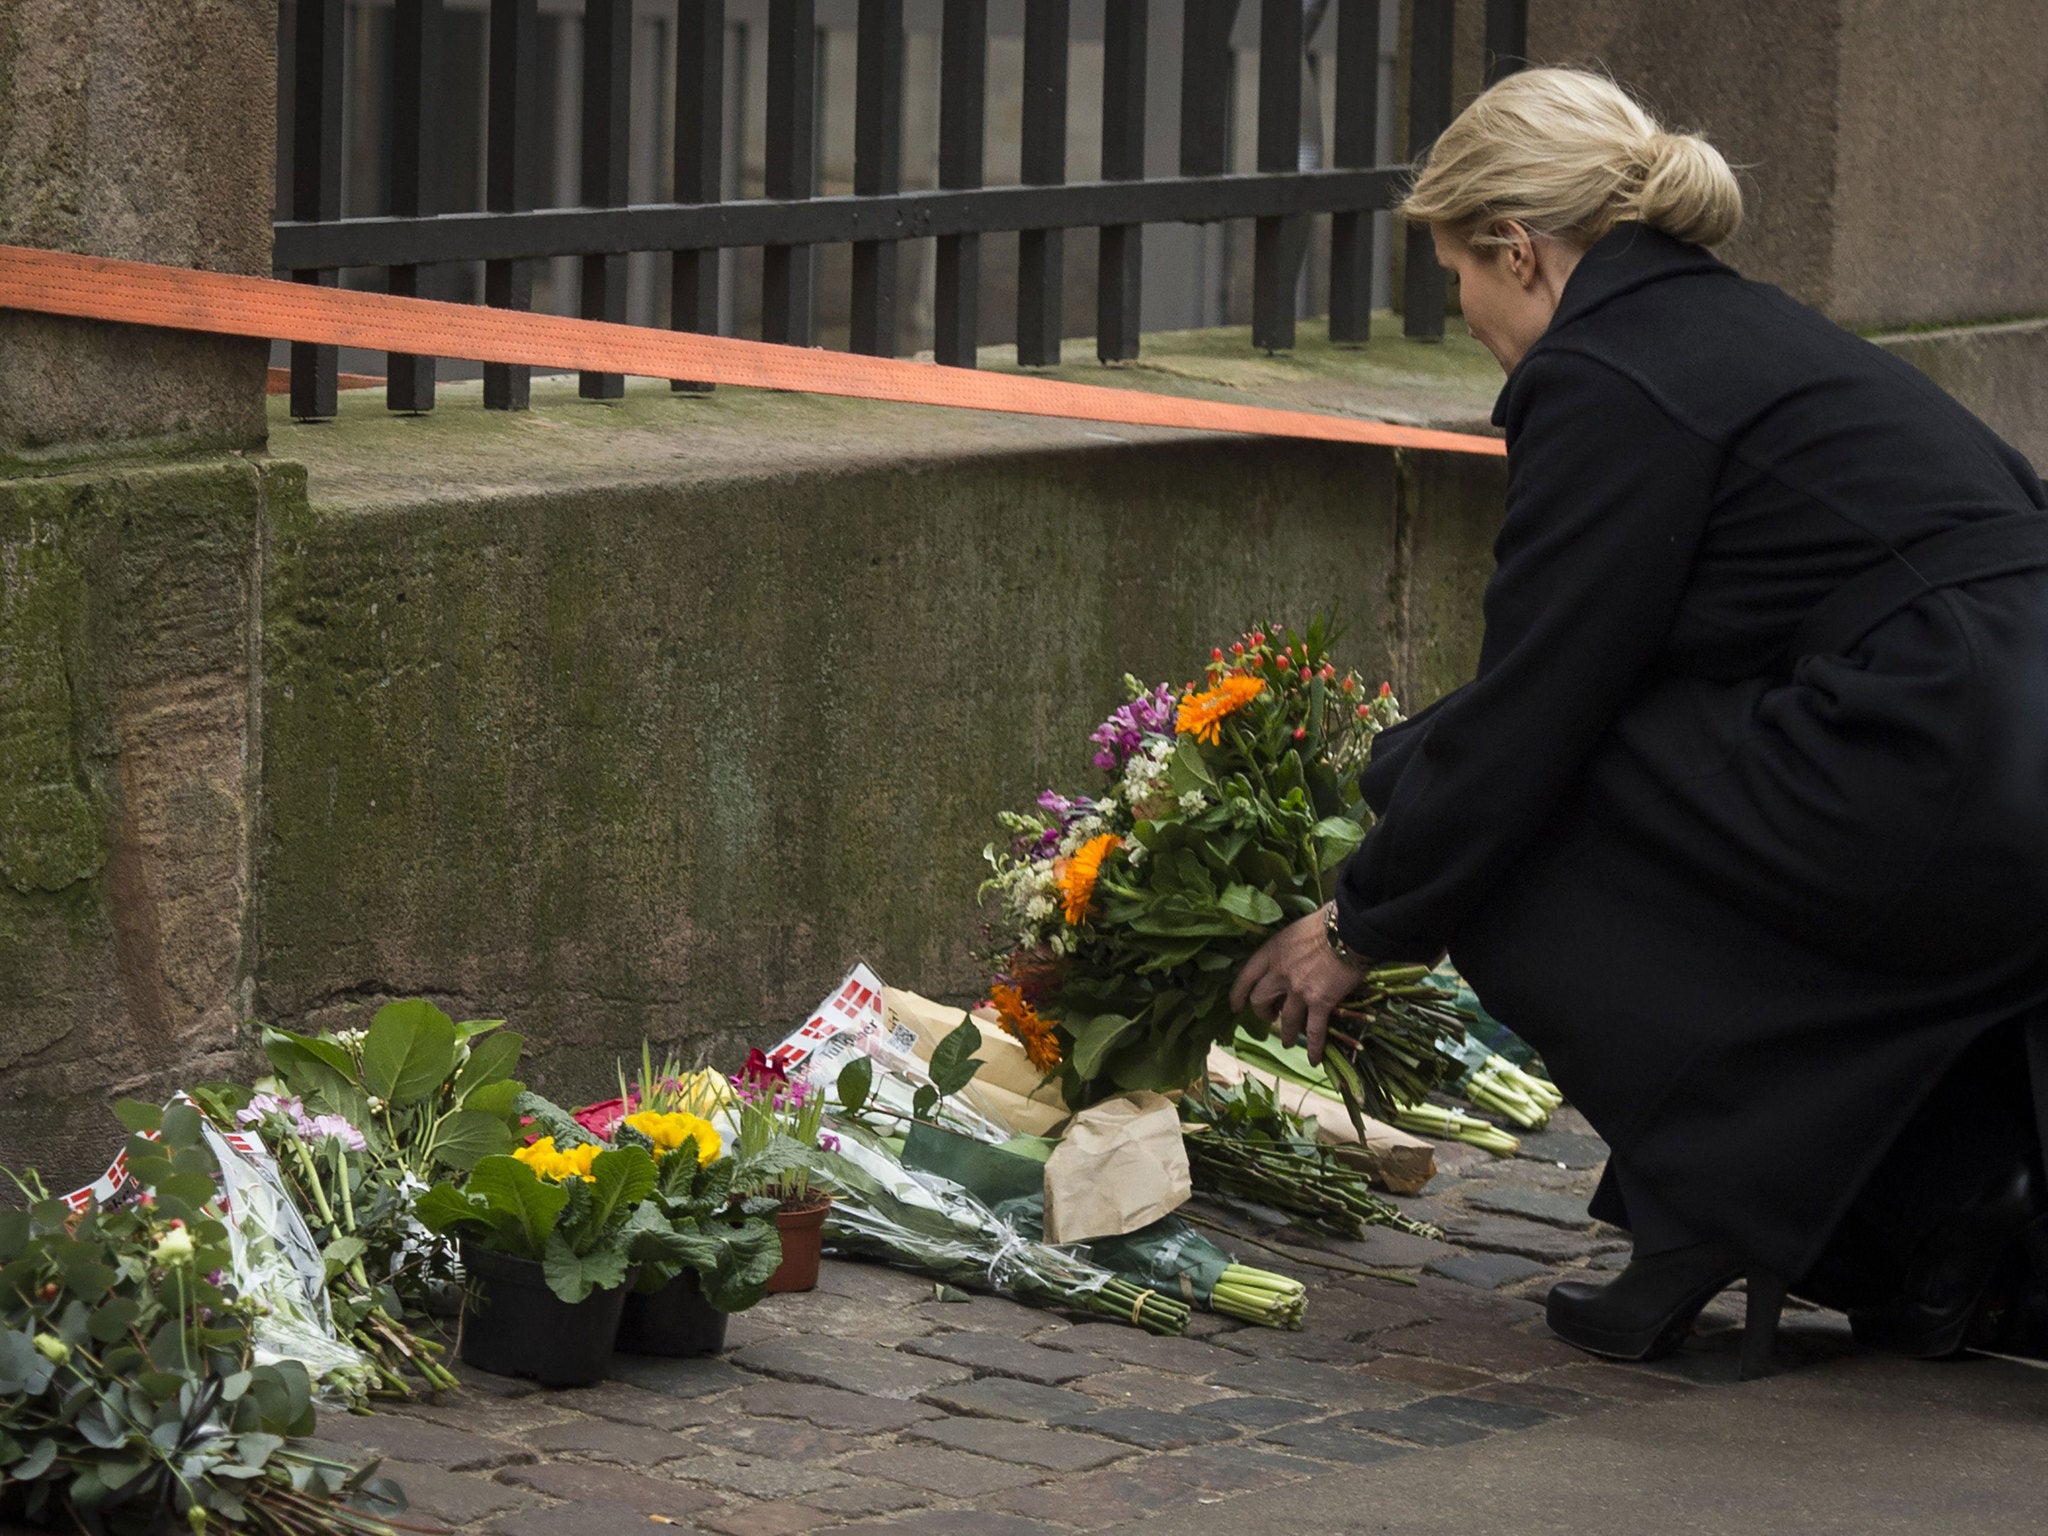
(1253, 906)
(1337, 837)
(1092, 1041)
(924, 1102)
(491, 1060)
(320, 1072)
(139, 1117)
(619, 1180)
(516, 1193)
(573, 1276)
(469, 1029)
(1187, 769)
(408, 1052)
(181, 1127)
(113, 1318)
(953, 1060)
(856, 1082)
(495, 1099)
(341, 1253)
(39, 1459)
(468, 1136)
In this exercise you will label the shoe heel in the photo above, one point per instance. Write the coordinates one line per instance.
(1760, 1323)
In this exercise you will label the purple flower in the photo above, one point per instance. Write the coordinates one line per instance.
(827, 1142)
(324, 1126)
(1124, 732)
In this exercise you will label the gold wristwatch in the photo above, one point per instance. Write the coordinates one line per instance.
(1336, 942)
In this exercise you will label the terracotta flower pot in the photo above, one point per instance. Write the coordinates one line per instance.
(514, 1325)
(802, 1225)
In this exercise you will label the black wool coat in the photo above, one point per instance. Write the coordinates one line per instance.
(1743, 821)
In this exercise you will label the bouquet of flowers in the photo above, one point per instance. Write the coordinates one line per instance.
(132, 1396)
(1124, 916)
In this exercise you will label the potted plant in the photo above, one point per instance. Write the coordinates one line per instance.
(780, 1132)
(699, 1258)
(546, 1237)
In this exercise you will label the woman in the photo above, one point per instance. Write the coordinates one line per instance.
(1744, 820)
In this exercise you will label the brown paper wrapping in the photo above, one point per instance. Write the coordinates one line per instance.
(1120, 1166)
(1007, 1088)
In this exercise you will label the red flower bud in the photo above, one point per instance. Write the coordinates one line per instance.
(1364, 710)
(1351, 685)
(1216, 655)
(1258, 637)
(1237, 649)
(49, 1290)
(1301, 733)
(1307, 673)
(1386, 690)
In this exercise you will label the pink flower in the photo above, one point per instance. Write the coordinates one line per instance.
(602, 1118)
(339, 1129)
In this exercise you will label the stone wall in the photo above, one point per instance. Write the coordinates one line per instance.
(651, 736)
(122, 134)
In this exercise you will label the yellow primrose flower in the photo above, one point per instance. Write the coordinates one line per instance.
(669, 1132)
(555, 1165)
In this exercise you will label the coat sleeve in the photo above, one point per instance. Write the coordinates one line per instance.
(1607, 500)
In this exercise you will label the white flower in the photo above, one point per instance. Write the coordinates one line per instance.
(174, 1248)
(1193, 803)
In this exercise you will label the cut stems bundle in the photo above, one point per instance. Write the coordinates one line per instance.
(1446, 1124)
(1259, 1296)
(1243, 1146)
(1499, 1086)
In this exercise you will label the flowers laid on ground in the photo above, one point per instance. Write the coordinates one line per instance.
(131, 1399)
(360, 1121)
(781, 1122)
(1124, 916)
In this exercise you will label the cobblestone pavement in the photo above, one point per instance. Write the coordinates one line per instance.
(869, 1405)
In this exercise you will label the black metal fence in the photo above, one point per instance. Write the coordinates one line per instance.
(315, 243)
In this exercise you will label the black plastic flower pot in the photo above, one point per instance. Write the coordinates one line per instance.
(513, 1325)
(676, 1321)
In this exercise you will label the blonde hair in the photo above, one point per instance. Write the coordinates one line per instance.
(1571, 154)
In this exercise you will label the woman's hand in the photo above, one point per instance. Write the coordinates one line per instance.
(1296, 979)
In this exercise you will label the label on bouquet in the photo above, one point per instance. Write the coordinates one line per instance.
(116, 1188)
(848, 1023)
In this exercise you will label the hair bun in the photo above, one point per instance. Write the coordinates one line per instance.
(1688, 190)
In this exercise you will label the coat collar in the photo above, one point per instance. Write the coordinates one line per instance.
(1631, 255)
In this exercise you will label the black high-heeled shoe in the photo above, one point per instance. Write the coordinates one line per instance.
(1951, 1287)
(1645, 1312)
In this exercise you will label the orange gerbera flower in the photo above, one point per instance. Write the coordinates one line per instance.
(1077, 880)
(1022, 1021)
(1202, 714)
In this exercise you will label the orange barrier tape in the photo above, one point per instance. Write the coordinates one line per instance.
(177, 298)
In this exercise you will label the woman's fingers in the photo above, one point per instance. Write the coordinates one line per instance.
(1318, 1031)
(1293, 1018)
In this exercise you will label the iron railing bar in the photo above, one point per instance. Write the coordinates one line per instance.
(699, 164)
(509, 102)
(1357, 97)
(787, 310)
(1277, 241)
(877, 168)
(415, 167)
(1205, 68)
(316, 183)
(607, 122)
(1041, 253)
(1432, 36)
(1507, 38)
(1119, 265)
(540, 233)
(963, 103)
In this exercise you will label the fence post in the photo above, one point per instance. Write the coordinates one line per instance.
(1507, 38)
(963, 84)
(514, 29)
(787, 313)
(1357, 99)
(607, 121)
(1429, 113)
(1277, 243)
(1119, 264)
(316, 181)
(1041, 253)
(1205, 67)
(700, 164)
(415, 159)
(877, 169)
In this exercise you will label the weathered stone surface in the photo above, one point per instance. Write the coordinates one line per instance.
(1483, 1346)
(1257, 1412)
(780, 1517)
(1489, 1271)
(936, 1470)
(845, 1317)
(1107, 1500)
(1557, 1210)
(1021, 1401)
(589, 1517)
(391, 1435)
(1235, 1468)
(868, 1369)
(1486, 1413)
(455, 1498)
(1387, 1248)
(679, 1378)
(1574, 1151)
(1055, 1450)
(1309, 1383)
(625, 1404)
(1150, 1429)
(754, 1477)
(119, 137)
(579, 1482)
(1133, 1346)
(1507, 1234)
(781, 1439)
(828, 1408)
(994, 1354)
(1131, 1388)
(1331, 1442)
(1432, 1375)
(1561, 1401)
(623, 1445)
(991, 1314)
(864, 1496)
(936, 1522)
(1430, 1429)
